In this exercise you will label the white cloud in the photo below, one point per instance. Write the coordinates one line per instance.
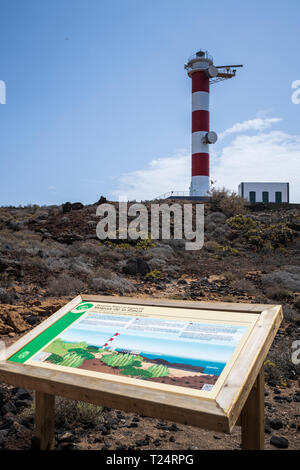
(161, 175)
(51, 188)
(258, 124)
(264, 156)
(272, 156)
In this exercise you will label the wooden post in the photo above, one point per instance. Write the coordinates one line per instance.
(252, 416)
(44, 420)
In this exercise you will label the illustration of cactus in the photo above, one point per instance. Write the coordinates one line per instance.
(122, 360)
(55, 359)
(75, 357)
(158, 370)
(135, 372)
(72, 360)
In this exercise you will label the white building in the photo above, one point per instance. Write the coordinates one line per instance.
(265, 192)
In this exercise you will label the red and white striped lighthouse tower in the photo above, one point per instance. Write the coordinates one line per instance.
(202, 71)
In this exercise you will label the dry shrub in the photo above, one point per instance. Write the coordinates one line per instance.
(114, 284)
(278, 293)
(229, 276)
(64, 285)
(7, 296)
(279, 366)
(71, 413)
(211, 246)
(227, 202)
(245, 286)
(291, 315)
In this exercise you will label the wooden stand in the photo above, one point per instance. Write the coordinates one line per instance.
(44, 420)
(252, 417)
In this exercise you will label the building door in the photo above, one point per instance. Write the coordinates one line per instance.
(278, 196)
(252, 196)
(265, 196)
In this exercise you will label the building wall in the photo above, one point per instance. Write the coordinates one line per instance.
(271, 188)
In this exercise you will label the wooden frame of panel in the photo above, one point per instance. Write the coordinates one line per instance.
(241, 393)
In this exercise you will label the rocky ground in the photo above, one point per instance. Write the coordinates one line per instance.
(49, 254)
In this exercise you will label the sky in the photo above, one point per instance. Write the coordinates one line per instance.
(98, 101)
(147, 343)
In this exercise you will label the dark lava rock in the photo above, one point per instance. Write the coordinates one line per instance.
(276, 423)
(9, 407)
(8, 420)
(102, 200)
(133, 425)
(172, 439)
(136, 266)
(282, 398)
(157, 442)
(66, 207)
(268, 429)
(22, 394)
(76, 206)
(279, 442)
(142, 442)
(3, 397)
(33, 320)
(296, 397)
(22, 403)
(173, 427)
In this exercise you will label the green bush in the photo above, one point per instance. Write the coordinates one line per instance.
(274, 235)
(241, 222)
(55, 359)
(134, 371)
(156, 274)
(122, 360)
(72, 360)
(145, 243)
(158, 370)
(228, 250)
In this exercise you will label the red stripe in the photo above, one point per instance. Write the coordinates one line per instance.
(200, 121)
(200, 164)
(200, 82)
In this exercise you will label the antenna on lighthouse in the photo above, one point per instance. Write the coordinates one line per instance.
(203, 72)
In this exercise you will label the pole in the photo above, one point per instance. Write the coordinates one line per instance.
(252, 417)
(44, 420)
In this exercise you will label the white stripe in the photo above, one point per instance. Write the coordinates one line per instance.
(197, 145)
(199, 186)
(200, 101)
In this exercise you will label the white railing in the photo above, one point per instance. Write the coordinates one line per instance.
(169, 194)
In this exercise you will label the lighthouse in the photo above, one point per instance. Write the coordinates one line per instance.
(203, 72)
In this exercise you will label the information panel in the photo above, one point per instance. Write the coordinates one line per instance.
(157, 347)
